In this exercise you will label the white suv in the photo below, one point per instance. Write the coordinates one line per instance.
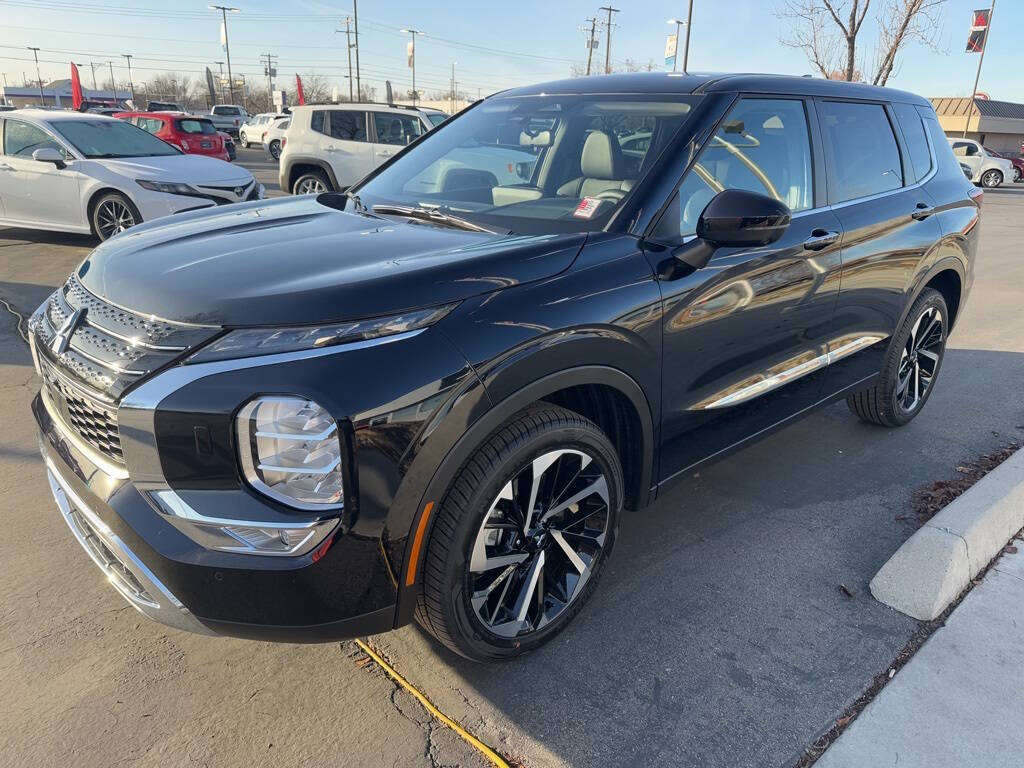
(986, 170)
(251, 132)
(329, 147)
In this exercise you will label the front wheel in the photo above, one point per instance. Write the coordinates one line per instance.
(991, 179)
(312, 183)
(522, 535)
(275, 149)
(113, 213)
(911, 366)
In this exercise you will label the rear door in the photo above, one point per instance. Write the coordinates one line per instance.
(392, 131)
(876, 188)
(346, 145)
(745, 337)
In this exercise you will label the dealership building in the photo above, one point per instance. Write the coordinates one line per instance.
(998, 125)
(58, 95)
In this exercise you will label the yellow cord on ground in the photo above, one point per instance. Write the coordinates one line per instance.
(469, 738)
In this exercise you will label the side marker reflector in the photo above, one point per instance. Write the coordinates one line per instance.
(417, 545)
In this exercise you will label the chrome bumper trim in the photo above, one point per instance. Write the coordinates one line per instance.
(128, 575)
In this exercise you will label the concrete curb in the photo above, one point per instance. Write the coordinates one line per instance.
(935, 564)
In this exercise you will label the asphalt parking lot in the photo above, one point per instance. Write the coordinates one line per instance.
(720, 635)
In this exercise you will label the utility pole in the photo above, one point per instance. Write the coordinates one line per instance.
(348, 46)
(267, 59)
(131, 83)
(92, 66)
(608, 41)
(686, 48)
(113, 83)
(590, 41)
(453, 86)
(39, 78)
(412, 58)
(5, 79)
(227, 47)
(220, 81)
(977, 77)
(355, 22)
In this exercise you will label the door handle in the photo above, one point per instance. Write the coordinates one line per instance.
(386, 154)
(923, 211)
(820, 238)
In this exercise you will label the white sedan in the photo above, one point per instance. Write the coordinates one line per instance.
(74, 172)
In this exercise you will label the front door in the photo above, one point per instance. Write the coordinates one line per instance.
(392, 132)
(37, 193)
(745, 337)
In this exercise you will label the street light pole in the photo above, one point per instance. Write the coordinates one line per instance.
(227, 46)
(220, 80)
(413, 32)
(39, 78)
(686, 48)
(131, 83)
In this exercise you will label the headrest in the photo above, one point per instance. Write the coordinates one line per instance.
(602, 156)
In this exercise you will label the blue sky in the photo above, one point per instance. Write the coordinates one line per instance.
(495, 44)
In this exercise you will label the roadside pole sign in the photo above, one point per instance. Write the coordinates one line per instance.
(670, 49)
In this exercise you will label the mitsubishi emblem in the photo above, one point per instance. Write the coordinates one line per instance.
(62, 338)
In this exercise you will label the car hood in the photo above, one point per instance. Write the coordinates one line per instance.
(296, 261)
(187, 169)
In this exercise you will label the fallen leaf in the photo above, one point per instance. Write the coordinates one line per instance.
(842, 722)
(1010, 549)
(845, 590)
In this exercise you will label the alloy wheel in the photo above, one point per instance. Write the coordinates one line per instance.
(539, 542)
(275, 150)
(113, 216)
(310, 186)
(992, 179)
(919, 360)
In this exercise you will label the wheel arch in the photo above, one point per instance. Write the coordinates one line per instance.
(94, 198)
(301, 163)
(947, 275)
(610, 397)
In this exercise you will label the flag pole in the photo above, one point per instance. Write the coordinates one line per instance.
(977, 77)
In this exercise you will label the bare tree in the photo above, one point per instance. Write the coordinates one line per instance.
(820, 31)
(900, 22)
(827, 32)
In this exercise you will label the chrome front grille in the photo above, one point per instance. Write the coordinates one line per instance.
(90, 352)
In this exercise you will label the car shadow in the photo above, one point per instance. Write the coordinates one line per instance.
(734, 622)
(10, 236)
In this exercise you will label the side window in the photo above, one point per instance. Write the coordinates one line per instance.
(348, 126)
(762, 146)
(397, 129)
(948, 165)
(864, 155)
(316, 122)
(965, 149)
(22, 139)
(917, 141)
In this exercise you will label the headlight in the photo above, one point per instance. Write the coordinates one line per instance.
(289, 450)
(251, 342)
(170, 187)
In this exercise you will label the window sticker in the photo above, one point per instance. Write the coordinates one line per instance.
(587, 208)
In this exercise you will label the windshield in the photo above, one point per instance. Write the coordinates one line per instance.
(111, 138)
(534, 164)
(436, 118)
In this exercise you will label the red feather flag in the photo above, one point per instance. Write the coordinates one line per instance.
(76, 88)
(301, 97)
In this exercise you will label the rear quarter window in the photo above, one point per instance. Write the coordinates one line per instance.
(916, 139)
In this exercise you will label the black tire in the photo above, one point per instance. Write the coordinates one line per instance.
(444, 607)
(275, 149)
(104, 207)
(991, 179)
(885, 403)
(1017, 176)
(310, 179)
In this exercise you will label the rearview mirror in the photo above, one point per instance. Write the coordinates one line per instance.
(49, 155)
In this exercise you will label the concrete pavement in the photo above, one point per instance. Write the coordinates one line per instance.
(960, 700)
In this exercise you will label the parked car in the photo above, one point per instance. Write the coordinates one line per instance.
(353, 410)
(273, 136)
(165, 106)
(252, 131)
(229, 145)
(434, 116)
(228, 117)
(192, 134)
(989, 170)
(1015, 160)
(71, 172)
(330, 147)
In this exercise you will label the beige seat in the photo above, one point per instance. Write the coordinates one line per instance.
(601, 166)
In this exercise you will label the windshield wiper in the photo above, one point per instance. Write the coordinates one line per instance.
(431, 214)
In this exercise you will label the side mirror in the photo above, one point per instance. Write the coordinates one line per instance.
(49, 155)
(735, 218)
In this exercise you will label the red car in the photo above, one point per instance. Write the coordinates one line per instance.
(1016, 160)
(193, 134)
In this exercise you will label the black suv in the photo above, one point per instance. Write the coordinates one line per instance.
(434, 395)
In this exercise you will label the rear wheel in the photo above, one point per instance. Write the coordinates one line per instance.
(113, 213)
(522, 536)
(991, 178)
(911, 366)
(1017, 175)
(311, 183)
(275, 149)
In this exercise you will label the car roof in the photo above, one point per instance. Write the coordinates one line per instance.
(715, 82)
(61, 114)
(165, 113)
